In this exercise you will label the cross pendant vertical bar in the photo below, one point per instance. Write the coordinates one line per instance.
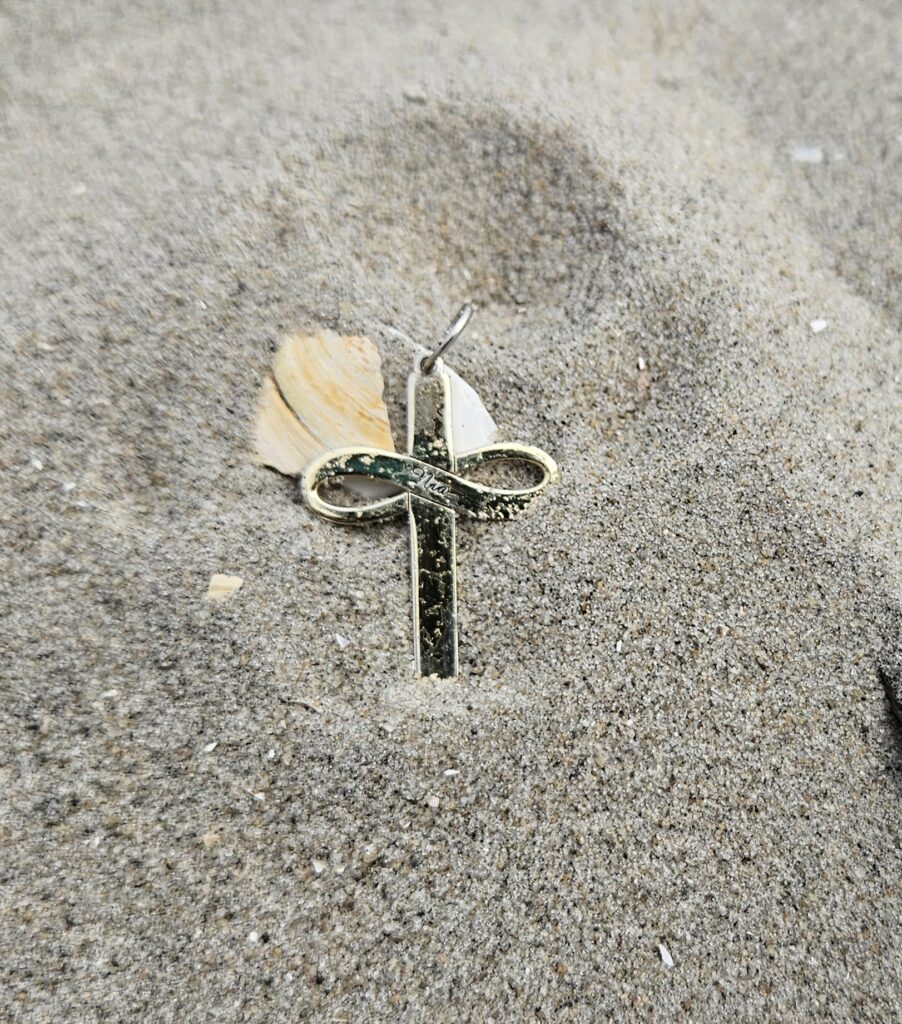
(433, 570)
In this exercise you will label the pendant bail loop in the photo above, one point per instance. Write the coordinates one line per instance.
(456, 328)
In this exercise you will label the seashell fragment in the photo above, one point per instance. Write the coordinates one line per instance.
(222, 587)
(325, 392)
(471, 425)
(281, 442)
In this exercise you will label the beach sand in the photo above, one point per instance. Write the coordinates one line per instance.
(667, 784)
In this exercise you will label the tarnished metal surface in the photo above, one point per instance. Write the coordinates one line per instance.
(450, 490)
(433, 558)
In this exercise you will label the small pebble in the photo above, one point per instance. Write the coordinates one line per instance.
(666, 958)
(819, 325)
(36, 463)
(210, 747)
(222, 587)
(342, 641)
(253, 937)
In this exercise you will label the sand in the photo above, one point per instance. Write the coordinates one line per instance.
(667, 783)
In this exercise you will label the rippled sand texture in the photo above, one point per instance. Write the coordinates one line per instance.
(672, 727)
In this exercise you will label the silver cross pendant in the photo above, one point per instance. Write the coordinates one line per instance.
(433, 491)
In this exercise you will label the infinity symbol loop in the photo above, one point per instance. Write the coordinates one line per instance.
(439, 486)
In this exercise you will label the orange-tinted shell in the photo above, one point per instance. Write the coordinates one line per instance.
(325, 392)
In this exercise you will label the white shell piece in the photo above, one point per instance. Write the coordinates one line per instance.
(471, 425)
